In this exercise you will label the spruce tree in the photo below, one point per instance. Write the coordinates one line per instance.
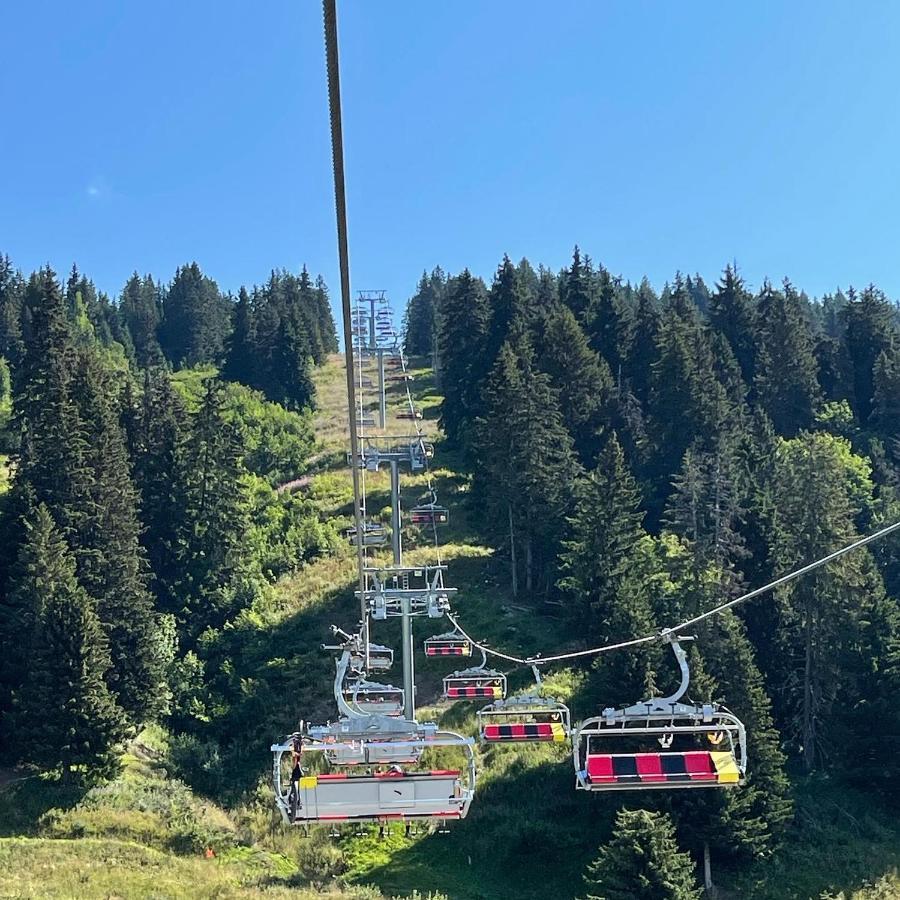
(140, 308)
(12, 289)
(461, 342)
(241, 356)
(786, 368)
(869, 330)
(216, 575)
(821, 487)
(112, 566)
(196, 319)
(580, 377)
(576, 286)
(731, 313)
(642, 862)
(601, 578)
(160, 478)
(322, 306)
(528, 461)
(885, 416)
(608, 322)
(508, 309)
(63, 714)
(643, 351)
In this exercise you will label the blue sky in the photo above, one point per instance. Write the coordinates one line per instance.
(658, 136)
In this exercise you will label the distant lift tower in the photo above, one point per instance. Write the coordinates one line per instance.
(397, 590)
(374, 337)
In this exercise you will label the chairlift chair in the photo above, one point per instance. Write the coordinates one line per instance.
(450, 644)
(477, 682)
(373, 535)
(524, 719)
(414, 413)
(369, 697)
(426, 514)
(382, 796)
(699, 745)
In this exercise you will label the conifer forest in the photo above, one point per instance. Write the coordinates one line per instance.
(616, 458)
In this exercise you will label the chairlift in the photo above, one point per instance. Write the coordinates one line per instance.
(373, 535)
(426, 514)
(524, 719)
(452, 643)
(365, 421)
(414, 413)
(392, 794)
(700, 746)
(371, 698)
(477, 682)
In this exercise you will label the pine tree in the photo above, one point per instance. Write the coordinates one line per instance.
(821, 486)
(576, 286)
(326, 319)
(886, 399)
(111, 563)
(527, 455)
(608, 322)
(464, 323)
(580, 377)
(160, 478)
(643, 351)
(216, 577)
(241, 356)
(706, 509)
(420, 322)
(687, 401)
(508, 309)
(642, 862)
(600, 576)
(785, 378)
(63, 713)
(869, 330)
(196, 319)
(12, 289)
(140, 308)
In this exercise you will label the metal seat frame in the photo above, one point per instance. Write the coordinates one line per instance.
(665, 719)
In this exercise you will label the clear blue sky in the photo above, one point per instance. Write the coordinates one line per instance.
(658, 136)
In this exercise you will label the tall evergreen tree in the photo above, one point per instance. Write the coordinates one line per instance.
(461, 342)
(821, 486)
(112, 566)
(642, 862)
(869, 330)
(216, 576)
(580, 377)
(731, 313)
(241, 357)
(12, 289)
(508, 309)
(196, 319)
(608, 322)
(643, 349)
(160, 478)
(63, 713)
(601, 578)
(576, 286)
(528, 461)
(786, 368)
(140, 308)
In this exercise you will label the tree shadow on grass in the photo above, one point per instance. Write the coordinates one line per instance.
(24, 802)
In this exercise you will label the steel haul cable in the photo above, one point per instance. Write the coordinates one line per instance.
(340, 207)
(539, 660)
